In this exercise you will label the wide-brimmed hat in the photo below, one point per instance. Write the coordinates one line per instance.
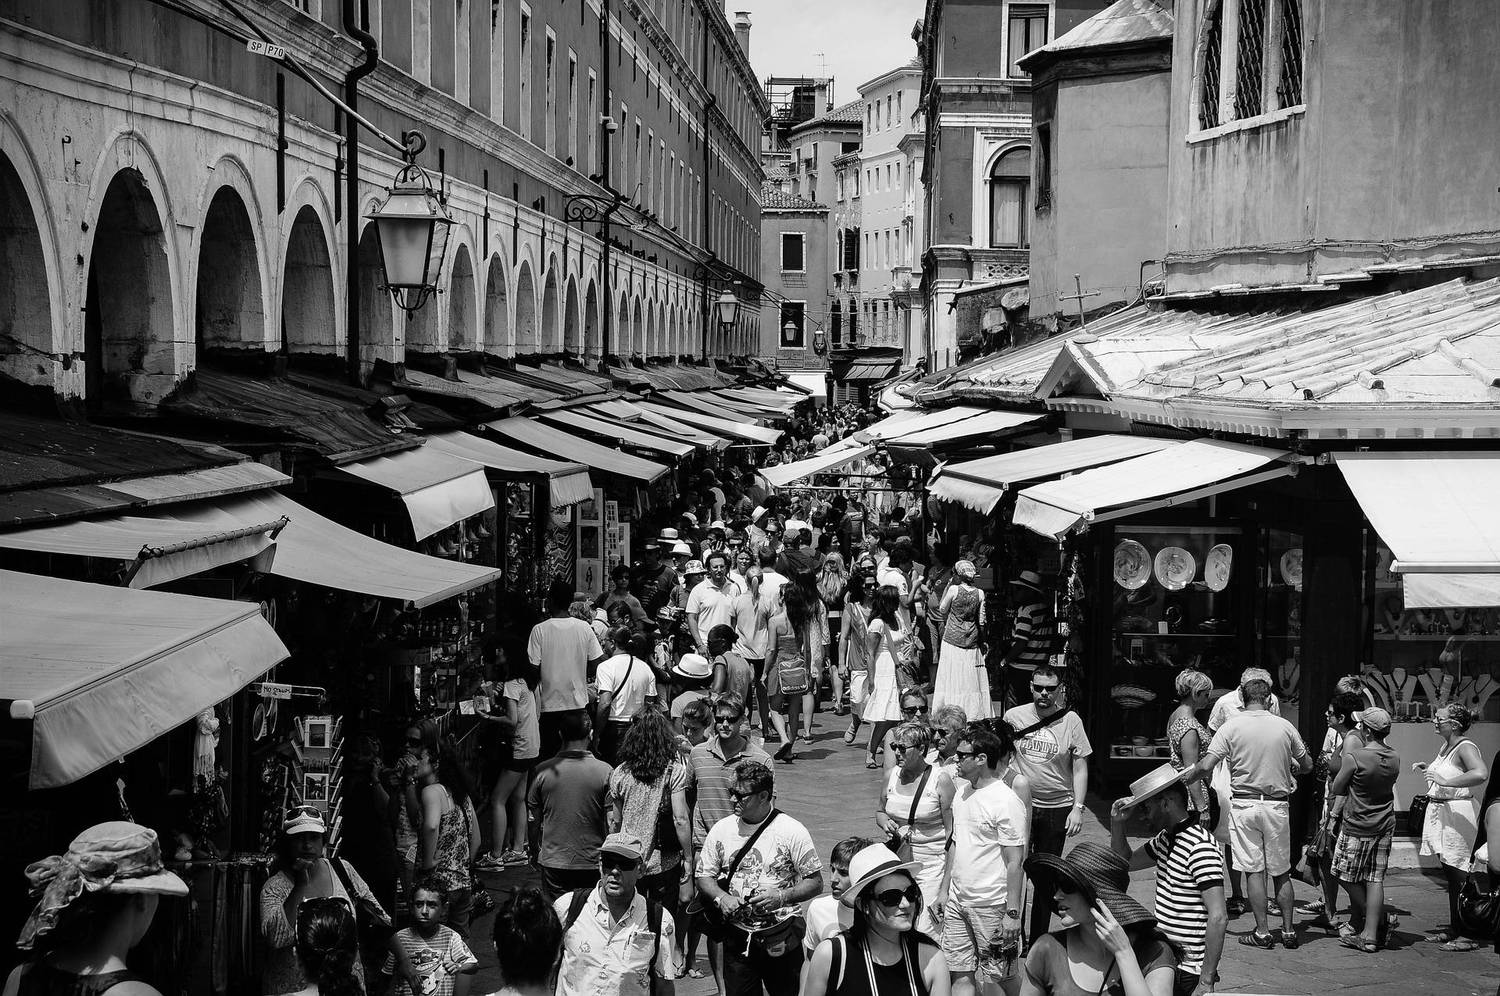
(693, 567)
(1097, 872)
(667, 535)
(1152, 782)
(116, 857)
(869, 865)
(1028, 579)
(693, 666)
(681, 549)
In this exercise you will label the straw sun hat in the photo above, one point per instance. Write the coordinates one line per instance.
(869, 865)
(1094, 870)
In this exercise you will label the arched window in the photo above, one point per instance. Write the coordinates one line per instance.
(1010, 200)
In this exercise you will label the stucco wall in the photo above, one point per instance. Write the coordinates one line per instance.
(810, 287)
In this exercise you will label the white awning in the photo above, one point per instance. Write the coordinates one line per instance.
(1437, 513)
(625, 411)
(212, 482)
(530, 432)
(893, 402)
(569, 483)
(317, 550)
(569, 419)
(704, 404)
(736, 427)
(436, 489)
(101, 671)
(838, 455)
(161, 549)
(980, 484)
(904, 423)
(987, 423)
(1196, 469)
(814, 382)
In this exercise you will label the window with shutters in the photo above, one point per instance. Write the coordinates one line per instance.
(791, 252)
(1249, 61)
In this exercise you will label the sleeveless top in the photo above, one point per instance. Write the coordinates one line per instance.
(788, 645)
(452, 858)
(42, 979)
(927, 822)
(1180, 727)
(962, 627)
(852, 972)
(1444, 764)
(859, 619)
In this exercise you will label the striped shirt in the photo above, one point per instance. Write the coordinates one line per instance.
(1187, 862)
(711, 775)
(1034, 628)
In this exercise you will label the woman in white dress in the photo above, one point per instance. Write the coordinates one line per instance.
(916, 805)
(961, 676)
(1452, 811)
(889, 637)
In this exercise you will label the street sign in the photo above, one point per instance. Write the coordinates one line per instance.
(257, 47)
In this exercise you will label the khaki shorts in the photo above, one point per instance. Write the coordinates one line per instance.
(967, 933)
(1260, 837)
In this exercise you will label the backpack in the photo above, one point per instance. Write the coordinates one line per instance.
(653, 923)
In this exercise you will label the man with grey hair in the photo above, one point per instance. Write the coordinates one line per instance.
(1264, 754)
(1234, 703)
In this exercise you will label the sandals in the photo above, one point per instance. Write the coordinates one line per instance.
(694, 973)
(1358, 943)
(1460, 944)
(1443, 935)
(849, 736)
(871, 764)
(784, 752)
(1255, 939)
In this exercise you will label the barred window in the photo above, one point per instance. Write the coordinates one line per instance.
(1249, 60)
(1250, 65)
(1289, 85)
(1208, 93)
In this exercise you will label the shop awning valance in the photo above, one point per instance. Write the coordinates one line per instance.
(739, 428)
(158, 550)
(550, 439)
(836, 456)
(980, 484)
(703, 404)
(316, 550)
(1195, 469)
(651, 422)
(905, 423)
(568, 483)
(970, 430)
(436, 489)
(569, 419)
(1437, 513)
(866, 371)
(101, 671)
(774, 400)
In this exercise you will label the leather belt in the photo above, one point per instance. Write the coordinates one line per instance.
(1259, 797)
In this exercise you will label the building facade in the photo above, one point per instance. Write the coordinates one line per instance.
(885, 276)
(199, 201)
(794, 258)
(977, 159)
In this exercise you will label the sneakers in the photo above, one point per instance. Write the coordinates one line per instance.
(490, 862)
(515, 857)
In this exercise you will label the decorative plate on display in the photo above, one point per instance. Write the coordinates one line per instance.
(1216, 568)
(1291, 567)
(1132, 565)
(1175, 568)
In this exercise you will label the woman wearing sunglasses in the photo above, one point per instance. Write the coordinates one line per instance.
(883, 952)
(916, 810)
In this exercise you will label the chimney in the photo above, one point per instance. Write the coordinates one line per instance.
(824, 104)
(742, 30)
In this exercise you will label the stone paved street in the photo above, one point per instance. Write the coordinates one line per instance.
(829, 790)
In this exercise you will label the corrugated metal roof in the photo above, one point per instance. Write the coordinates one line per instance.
(1126, 22)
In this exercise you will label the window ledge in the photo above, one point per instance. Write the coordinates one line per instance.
(1247, 124)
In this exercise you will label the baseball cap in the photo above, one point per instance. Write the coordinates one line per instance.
(1375, 719)
(624, 845)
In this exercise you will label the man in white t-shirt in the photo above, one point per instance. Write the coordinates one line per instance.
(983, 890)
(711, 603)
(827, 915)
(626, 683)
(564, 649)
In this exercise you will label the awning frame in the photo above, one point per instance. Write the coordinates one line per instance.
(149, 553)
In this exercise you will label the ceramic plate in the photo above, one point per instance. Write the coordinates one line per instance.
(1216, 567)
(1132, 565)
(1175, 567)
(1291, 567)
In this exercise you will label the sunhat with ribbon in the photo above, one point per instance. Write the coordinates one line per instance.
(1028, 579)
(694, 666)
(115, 857)
(1097, 872)
(869, 865)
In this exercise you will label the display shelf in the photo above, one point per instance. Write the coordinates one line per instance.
(1174, 636)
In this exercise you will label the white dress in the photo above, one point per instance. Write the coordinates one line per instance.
(961, 676)
(1452, 816)
(884, 701)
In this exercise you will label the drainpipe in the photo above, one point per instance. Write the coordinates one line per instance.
(604, 162)
(354, 21)
(709, 102)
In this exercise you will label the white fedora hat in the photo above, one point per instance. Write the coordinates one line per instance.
(869, 865)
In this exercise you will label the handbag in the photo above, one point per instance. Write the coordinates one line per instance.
(900, 842)
(1417, 815)
(1478, 911)
(374, 926)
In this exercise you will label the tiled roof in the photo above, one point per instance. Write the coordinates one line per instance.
(775, 173)
(1126, 22)
(773, 198)
(850, 113)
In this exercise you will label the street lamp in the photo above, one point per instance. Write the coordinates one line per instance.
(820, 342)
(412, 226)
(728, 307)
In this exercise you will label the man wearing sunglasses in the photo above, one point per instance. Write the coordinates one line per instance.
(1053, 755)
(714, 761)
(614, 938)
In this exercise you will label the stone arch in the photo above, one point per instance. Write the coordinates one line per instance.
(572, 342)
(377, 320)
(309, 321)
(463, 329)
(230, 310)
(28, 318)
(638, 327)
(526, 324)
(497, 328)
(129, 338)
(621, 341)
(592, 347)
(549, 332)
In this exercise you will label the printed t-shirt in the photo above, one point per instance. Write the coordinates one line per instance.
(985, 820)
(562, 649)
(1187, 862)
(783, 855)
(568, 793)
(1045, 756)
(640, 809)
(1259, 749)
(631, 681)
(439, 957)
(1371, 809)
(526, 742)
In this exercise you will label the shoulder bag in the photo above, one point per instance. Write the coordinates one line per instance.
(899, 841)
(372, 922)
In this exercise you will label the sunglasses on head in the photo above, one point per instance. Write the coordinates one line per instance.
(891, 898)
(613, 862)
(304, 811)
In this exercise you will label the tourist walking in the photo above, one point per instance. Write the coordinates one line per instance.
(93, 904)
(714, 763)
(731, 672)
(854, 648)
(982, 893)
(1367, 778)
(826, 915)
(516, 713)
(916, 813)
(711, 603)
(884, 952)
(563, 650)
(1033, 633)
(428, 958)
(962, 679)
(1190, 905)
(752, 619)
(1264, 754)
(833, 590)
(1452, 820)
(617, 941)
(1343, 736)
(567, 802)
(789, 657)
(888, 642)
(947, 722)
(1109, 942)
(648, 801)
(1187, 737)
(1052, 751)
(626, 685)
(528, 942)
(448, 839)
(931, 593)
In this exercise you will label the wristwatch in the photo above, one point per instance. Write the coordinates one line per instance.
(1012, 914)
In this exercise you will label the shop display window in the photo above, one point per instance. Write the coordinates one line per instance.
(1278, 590)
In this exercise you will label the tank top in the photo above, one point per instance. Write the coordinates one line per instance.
(962, 627)
(42, 979)
(1444, 765)
(852, 972)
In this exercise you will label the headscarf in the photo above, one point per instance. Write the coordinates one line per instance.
(966, 570)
